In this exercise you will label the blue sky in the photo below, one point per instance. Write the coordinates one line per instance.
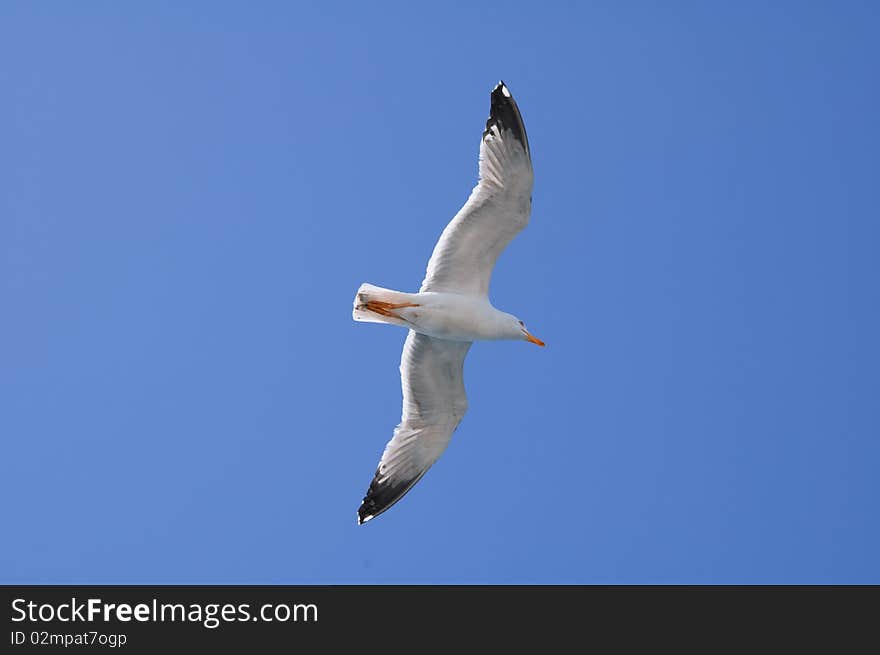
(192, 195)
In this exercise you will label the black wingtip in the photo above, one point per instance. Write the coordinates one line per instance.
(382, 494)
(505, 114)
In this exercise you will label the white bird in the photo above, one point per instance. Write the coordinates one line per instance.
(452, 308)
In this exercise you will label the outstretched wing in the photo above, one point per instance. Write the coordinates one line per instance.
(434, 401)
(496, 211)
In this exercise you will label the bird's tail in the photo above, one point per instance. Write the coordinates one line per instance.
(374, 304)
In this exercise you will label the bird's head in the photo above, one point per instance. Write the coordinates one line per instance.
(517, 330)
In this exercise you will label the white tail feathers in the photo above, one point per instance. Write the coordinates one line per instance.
(369, 294)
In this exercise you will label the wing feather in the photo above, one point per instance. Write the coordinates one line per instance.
(496, 211)
(434, 402)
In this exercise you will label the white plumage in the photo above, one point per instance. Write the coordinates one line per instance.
(452, 308)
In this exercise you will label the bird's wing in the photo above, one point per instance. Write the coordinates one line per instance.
(434, 402)
(497, 209)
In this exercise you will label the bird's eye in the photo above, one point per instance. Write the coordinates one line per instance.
(522, 324)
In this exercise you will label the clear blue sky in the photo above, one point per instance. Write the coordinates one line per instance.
(192, 195)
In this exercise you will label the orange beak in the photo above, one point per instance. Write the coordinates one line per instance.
(534, 340)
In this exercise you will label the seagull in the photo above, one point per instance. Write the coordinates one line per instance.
(452, 308)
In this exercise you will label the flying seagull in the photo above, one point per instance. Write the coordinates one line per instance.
(452, 308)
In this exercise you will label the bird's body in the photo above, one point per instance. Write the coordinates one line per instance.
(439, 314)
(452, 308)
